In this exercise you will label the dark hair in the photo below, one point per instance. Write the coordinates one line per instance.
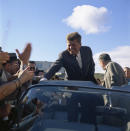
(40, 71)
(12, 57)
(32, 62)
(37, 71)
(74, 36)
(0, 48)
(126, 67)
(105, 57)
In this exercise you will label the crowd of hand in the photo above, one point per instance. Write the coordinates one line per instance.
(15, 74)
(23, 75)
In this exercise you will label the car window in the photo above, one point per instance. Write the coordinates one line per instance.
(69, 109)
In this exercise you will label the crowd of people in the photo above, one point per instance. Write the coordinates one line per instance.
(17, 74)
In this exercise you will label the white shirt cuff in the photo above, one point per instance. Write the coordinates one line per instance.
(43, 79)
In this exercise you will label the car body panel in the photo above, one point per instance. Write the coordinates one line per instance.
(52, 110)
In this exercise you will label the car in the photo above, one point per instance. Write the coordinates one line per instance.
(73, 106)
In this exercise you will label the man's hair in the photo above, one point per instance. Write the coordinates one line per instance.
(126, 68)
(74, 36)
(105, 57)
(12, 57)
(0, 48)
(40, 71)
(32, 62)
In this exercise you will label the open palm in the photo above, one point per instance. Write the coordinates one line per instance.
(25, 55)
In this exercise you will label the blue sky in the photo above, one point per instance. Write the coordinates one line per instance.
(41, 22)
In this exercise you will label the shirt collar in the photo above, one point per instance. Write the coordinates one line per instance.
(78, 55)
(107, 65)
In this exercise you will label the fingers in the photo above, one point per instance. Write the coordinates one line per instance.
(26, 75)
(27, 69)
(28, 50)
(25, 55)
(28, 47)
(17, 51)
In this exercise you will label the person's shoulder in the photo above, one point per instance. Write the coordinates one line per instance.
(63, 53)
(110, 64)
(85, 47)
(113, 64)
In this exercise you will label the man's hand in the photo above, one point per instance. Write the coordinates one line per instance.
(25, 55)
(25, 75)
(3, 57)
(43, 79)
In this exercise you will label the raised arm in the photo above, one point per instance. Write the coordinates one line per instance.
(9, 87)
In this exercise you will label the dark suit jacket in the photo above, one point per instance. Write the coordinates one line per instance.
(73, 71)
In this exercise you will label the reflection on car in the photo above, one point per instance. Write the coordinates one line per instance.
(74, 106)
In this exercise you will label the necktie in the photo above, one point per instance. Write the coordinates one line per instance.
(78, 61)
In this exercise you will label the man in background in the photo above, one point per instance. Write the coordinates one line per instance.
(114, 74)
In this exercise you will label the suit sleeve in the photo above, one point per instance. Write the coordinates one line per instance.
(55, 67)
(112, 70)
(91, 69)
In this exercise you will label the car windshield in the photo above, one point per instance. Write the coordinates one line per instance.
(62, 108)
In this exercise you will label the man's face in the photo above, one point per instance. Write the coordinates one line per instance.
(41, 74)
(32, 67)
(73, 47)
(14, 67)
(102, 64)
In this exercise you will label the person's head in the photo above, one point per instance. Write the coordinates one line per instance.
(12, 65)
(32, 65)
(0, 48)
(73, 43)
(40, 72)
(104, 59)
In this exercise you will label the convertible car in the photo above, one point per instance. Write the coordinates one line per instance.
(73, 106)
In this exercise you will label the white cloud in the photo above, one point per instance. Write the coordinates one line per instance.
(88, 18)
(120, 55)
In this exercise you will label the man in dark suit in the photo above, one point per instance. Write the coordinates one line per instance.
(77, 61)
(79, 65)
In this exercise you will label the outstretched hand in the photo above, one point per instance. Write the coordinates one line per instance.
(25, 55)
(25, 75)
